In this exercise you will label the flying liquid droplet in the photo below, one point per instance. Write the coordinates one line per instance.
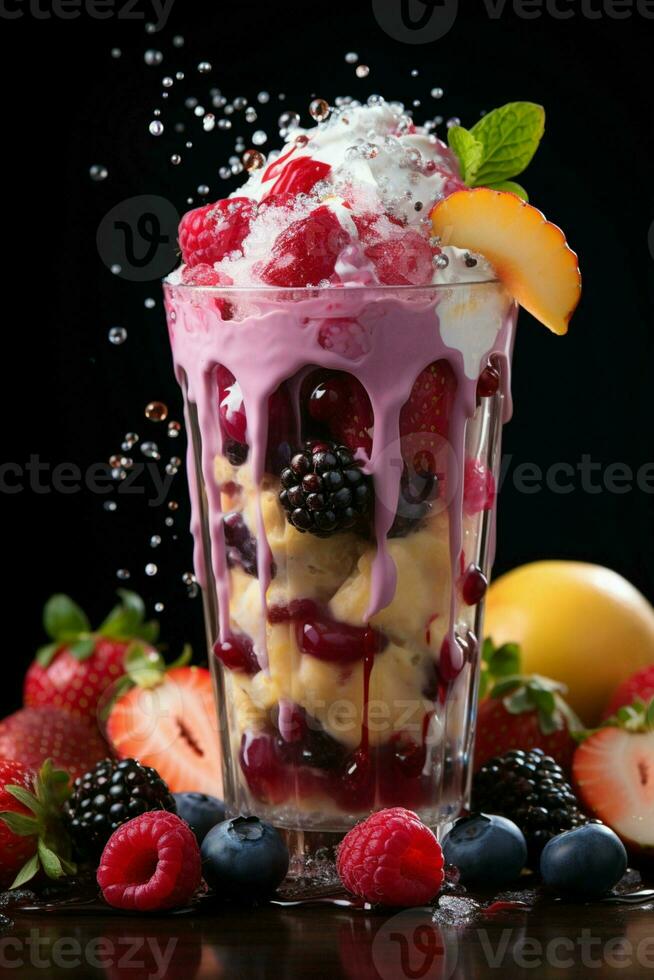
(117, 335)
(156, 411)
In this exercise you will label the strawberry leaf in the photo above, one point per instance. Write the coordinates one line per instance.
(45, 654)
(50, 861)
(63, 619)
(27, 872)
(649, 714)
(81, 649)
(126, 620)
(20, 824)
(504, 661)
(26, 798)
(518, 702)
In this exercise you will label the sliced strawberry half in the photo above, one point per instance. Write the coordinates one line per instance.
(613, 770)
(168, 720)
(305, 253)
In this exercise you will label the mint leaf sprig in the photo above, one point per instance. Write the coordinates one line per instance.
(499, 147)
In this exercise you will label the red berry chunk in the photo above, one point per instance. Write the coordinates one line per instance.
(327, 639)
(403, 261)
(305, 253)
(150, 862)
(488, 382)
(392, 858)
(209, 233)
(478, 487)
(237, 653)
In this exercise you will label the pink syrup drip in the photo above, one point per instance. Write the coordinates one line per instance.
(277, 342)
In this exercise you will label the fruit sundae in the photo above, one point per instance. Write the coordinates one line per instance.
(342, 328)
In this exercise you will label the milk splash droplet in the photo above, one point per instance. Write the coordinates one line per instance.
(117, 335)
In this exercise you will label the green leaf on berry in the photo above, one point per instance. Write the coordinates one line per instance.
(45, 824)
(27, 872)
(19, 824)
(499, 146)
(126, 620)
(81, 649)
(63, 619)
(45, 654)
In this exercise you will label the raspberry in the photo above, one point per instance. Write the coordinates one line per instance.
(209, 233)
(392, 858)
(305, 253)
(151, 862)
(478, 487)
(204, 275)
(402, 261)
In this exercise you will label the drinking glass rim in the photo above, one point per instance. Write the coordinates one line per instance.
(340, 290)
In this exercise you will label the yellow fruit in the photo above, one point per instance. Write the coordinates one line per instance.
(529, 253)
(581, 624)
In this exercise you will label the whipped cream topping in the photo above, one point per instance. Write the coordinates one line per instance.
(380, 175)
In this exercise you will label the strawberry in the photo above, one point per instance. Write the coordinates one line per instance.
(209, 233)
(305, 253)
(521, 712)
(73, 670)
(32, 735)
(638, 687)
(233, 420)
(341, 402)
(32, 837)
(613, 771)
(167, 720)
(402, 261)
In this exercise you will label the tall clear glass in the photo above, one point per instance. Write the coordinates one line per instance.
(345, 663)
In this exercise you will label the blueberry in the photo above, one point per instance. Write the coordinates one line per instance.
(487, 849)
(244, 858)
(200, 811)
(585, 862)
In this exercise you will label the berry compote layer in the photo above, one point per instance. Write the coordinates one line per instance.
(344, 435)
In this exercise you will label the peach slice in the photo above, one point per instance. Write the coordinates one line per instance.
(529, 253)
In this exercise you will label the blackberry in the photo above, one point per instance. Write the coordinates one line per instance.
(241, 546)
(109, 795)
(323, 489)
(235, 452)
(529, 788)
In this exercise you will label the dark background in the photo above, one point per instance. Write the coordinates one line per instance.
(69, 395)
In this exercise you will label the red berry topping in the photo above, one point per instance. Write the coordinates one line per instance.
(392, 858)
(237, 653)
(402, 261)
(204, 275)
(478, 487)
(209, 233)
(305, 253)
(151, 862)
(430, 403)
(299, 176)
